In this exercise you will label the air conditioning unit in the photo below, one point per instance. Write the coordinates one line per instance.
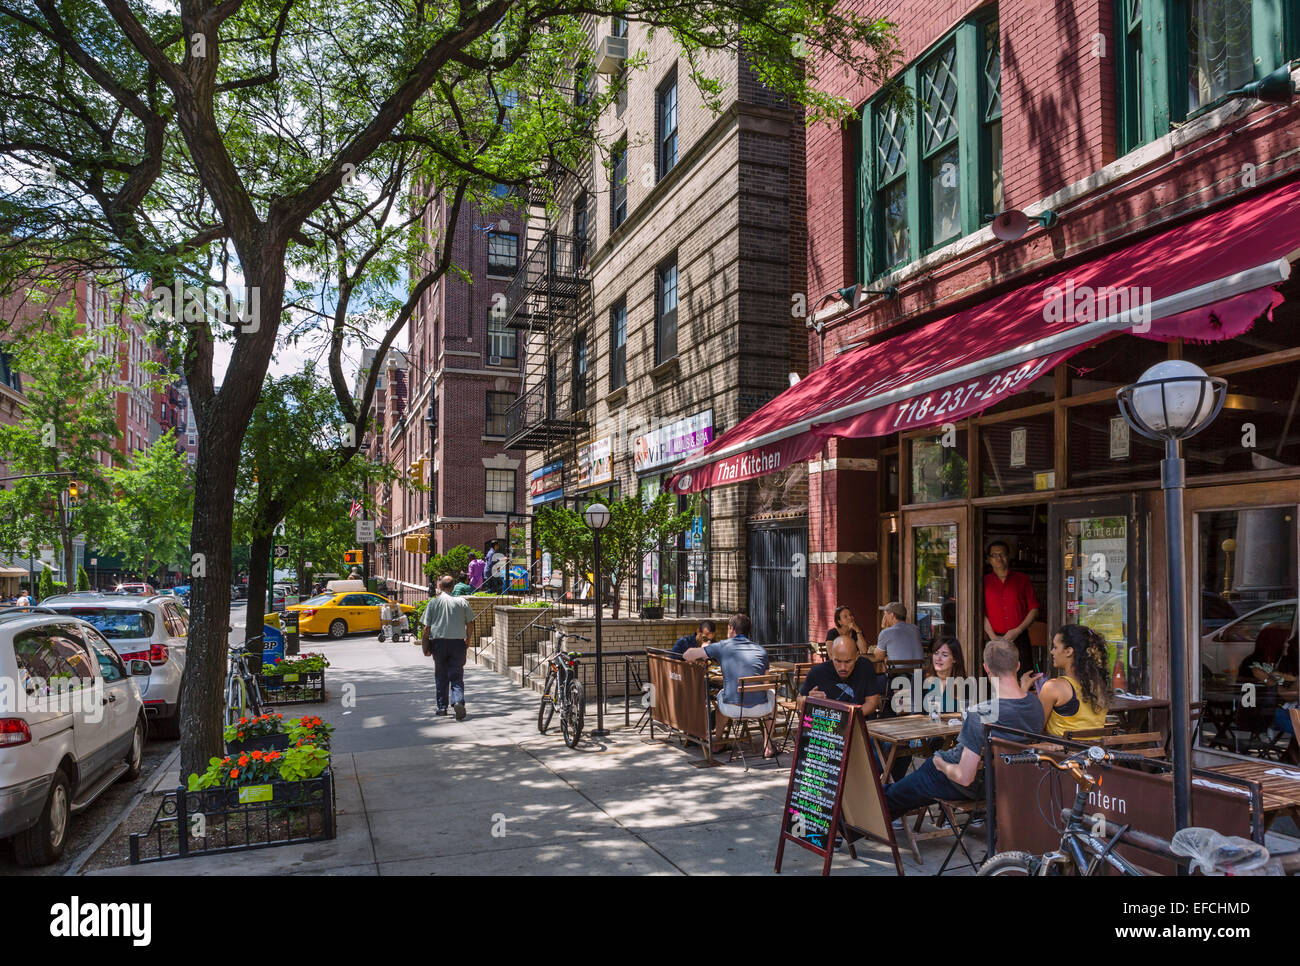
(610, 54)
(494, 360)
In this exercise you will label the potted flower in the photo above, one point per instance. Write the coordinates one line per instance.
(264, 732)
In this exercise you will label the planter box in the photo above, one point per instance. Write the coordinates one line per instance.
(652, 613)
(260, 743)
(215, 821)
(305, 687)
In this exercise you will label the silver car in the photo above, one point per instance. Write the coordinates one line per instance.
(153, 629)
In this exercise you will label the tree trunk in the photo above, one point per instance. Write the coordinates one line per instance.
(65, 531)
(260, 551)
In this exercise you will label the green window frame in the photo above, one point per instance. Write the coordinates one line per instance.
(1153, 62)
(928, 175)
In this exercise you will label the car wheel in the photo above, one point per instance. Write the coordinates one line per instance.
(43, 843)
(135, 754)
(338, 628)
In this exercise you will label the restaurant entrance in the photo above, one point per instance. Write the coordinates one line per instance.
(1096, 579)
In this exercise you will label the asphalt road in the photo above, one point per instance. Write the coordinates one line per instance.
(108, 807)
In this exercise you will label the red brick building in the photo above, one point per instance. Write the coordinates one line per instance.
(1111, 127)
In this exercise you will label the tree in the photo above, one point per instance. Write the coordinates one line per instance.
(66, 425)
(83, 579)
(152, 507)
(236, 140)
(455, 562)
(45, 583)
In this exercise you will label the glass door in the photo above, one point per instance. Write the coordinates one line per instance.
(1095, 579)
(937, 576)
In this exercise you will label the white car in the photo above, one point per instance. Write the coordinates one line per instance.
(153, 629)
(1223, 650)
(71, 724)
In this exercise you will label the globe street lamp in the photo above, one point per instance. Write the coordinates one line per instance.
(597, 516)
(1173, 401)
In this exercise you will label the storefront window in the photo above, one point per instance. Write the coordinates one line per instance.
(1016, 456)
(1096, 572)
(1257, 429)
(935, 549)
(939, 471)
(695, 559)
(1265, 336)
(1104, 450)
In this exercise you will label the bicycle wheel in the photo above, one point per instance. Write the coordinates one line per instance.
(236, 699)
(549, 696)
(1011, 863)
(571, 719)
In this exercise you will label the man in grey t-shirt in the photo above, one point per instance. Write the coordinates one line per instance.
(738, 657)
(447, 621)
(899, 640)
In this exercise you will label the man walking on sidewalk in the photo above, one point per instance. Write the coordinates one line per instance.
(446, 627)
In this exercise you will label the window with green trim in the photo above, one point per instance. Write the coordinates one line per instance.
(1176, 58)
(928, 176)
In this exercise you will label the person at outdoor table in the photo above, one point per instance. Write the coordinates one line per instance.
(846, 677)
(739, 657)
(943, 670)
(951, 774)
(1010, 604)
(1266, 663)
(705, 632)
(1079, 698)
(898, 640)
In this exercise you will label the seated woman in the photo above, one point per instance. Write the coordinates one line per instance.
(1078, 699)
(944, 672)
(1266, 663)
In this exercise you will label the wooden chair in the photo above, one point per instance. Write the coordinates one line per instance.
(738, 728)
(1094, 734)
(1148, 744)
(789, 705)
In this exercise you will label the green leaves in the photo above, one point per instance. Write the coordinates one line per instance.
(153, 502)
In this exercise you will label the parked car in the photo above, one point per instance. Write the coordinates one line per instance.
(340, 614)
(153, 629)
(1223, 650)
(135, 589)
(238, 592)
(62, 745)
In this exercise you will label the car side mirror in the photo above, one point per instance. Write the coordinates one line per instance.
(139, 668)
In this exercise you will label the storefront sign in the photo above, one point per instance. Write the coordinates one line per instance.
(1118, 438)
(1045, 481)
(546, 484)
(595, 464)
(670, 443)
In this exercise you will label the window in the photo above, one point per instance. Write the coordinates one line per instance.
(580, 229)
(503, 342)
(914, 164)
(666, 311)
(666, 125)
(47, 656)
(497, 404)
(1178, 57)
(618, 27)
(500, 495)
(618, 344)
(939, 472)
(580, 371)
(503, 253)
(618, 185)
(111, 667)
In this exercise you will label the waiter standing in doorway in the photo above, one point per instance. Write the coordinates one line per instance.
(1010, 604)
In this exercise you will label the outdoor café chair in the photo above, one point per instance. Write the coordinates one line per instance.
(738, 728)
(973, 809)
(789, 705)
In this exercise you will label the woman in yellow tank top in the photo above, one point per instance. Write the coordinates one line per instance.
(1079, 697)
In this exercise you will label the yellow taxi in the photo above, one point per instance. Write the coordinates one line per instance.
(341, 614)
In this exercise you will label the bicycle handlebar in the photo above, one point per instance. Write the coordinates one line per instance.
(1023, 758)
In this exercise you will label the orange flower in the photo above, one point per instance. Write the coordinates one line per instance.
(257, 756)
(243, 760)
(243, 721)
(234, 773)
(241, 734)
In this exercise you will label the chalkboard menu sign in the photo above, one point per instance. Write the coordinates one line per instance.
(834, 782)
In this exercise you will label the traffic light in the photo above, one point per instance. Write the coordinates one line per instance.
(352, 556)
(416, 472)
(73, 491)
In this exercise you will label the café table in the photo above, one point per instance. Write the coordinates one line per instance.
(1279, 783)
(1132, 705)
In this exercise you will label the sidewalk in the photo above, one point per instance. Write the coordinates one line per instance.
(423, 795)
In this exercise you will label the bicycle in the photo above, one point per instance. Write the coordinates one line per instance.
(563, 688)
(1085, 848)
(243, 693)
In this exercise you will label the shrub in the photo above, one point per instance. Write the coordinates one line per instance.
(83, 579)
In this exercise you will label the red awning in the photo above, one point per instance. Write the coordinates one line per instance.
(1208, 280)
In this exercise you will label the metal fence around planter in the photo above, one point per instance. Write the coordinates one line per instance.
(304, 687)
(216, 821)
(260, 743)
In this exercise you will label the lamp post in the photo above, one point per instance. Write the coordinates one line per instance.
(1175, 400)
(597, 516)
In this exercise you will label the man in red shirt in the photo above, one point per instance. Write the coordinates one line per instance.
(1010, 604)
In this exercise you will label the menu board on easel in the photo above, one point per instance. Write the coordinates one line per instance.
(833, 776)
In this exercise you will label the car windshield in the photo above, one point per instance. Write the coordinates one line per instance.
(117, 624)
(318, 600)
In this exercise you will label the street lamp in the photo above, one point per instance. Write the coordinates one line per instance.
(597, 516)
(1175, 400)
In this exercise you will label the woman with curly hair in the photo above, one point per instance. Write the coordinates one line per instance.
(1079, 697)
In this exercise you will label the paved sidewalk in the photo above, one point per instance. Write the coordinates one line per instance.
(423, 795)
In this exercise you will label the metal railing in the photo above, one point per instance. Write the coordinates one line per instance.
(548, 282)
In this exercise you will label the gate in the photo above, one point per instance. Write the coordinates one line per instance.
(778, 583)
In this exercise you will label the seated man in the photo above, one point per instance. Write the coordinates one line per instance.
(704, 634)
(739, 657)
(846, 677)
(951, 774)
